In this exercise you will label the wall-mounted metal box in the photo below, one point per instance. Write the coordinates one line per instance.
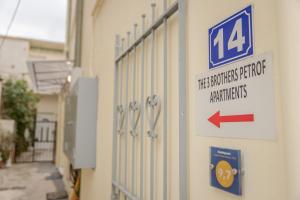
(81, 123)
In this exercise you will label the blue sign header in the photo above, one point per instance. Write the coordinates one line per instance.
(231, 39)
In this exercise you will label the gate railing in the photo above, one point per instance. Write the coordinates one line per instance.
(138, 108)
(42, 148)
(45, 141)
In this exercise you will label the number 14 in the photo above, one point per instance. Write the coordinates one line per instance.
(234, 42)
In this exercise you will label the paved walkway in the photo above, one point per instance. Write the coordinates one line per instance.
(29, 181)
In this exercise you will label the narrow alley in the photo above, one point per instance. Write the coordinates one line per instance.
(31, 181)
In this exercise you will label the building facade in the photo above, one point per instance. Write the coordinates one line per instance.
(14, 57)
(269, 167)
(15, 54)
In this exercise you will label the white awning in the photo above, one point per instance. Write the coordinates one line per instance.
(49, 76)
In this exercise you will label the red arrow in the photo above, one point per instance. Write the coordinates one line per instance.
(216, 119)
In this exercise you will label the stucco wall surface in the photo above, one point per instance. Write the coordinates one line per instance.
(270, 166)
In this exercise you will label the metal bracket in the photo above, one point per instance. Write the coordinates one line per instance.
(134, 114)
(121, 118)
(152, 104)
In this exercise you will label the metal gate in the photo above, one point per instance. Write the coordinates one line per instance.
(42, 148)
(141, 109)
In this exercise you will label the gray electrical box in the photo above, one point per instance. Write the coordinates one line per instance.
(81, 123)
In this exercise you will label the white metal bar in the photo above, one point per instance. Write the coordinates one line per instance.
(183, 177)
(152, 50)
(125, 191)
(142, 113)
(165, 117)
(115, 120)
(121, 103)
(121, 73)
(127, 116)
(133, 100)
(153, 5)
(133, 165)
(134, 64)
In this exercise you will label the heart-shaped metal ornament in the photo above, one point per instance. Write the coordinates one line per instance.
(121, 118)
(153, 109)
(134, 114)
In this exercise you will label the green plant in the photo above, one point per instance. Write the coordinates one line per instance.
(19, 104)
(6, 141)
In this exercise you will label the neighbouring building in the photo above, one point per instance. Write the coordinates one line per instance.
(155, 122)
(15, 54)
(43, 65)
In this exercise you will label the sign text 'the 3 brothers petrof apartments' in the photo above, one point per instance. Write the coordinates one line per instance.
(237, 100)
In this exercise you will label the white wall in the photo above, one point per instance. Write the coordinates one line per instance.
(37, 54)
(17, 51)
(289, 29)
(262, 161)
(8, 125)
(48, 104)
(13, 57)
(61, 160)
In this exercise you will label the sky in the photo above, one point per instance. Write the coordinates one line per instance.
(37, 19)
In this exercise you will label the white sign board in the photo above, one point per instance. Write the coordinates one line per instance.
(237, 100)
